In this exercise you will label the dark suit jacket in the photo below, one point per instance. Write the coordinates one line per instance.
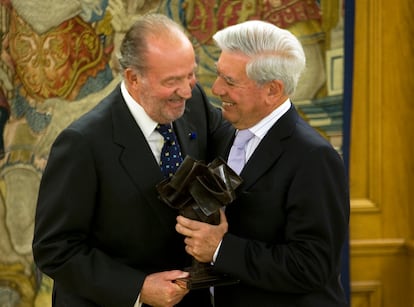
(288, 223)
(100, 227)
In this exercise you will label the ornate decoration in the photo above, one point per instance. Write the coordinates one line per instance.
(56, 63)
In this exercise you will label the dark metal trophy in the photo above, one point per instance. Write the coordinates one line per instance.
(198, 191)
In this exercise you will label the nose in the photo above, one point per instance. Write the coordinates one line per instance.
(184, 91)
(193, 80)
(216, 89)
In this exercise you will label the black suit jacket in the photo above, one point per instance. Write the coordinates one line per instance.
(100, 227)
(288, 223)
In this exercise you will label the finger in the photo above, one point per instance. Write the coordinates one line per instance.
(223, 218)
(189, 223)
(175, 274)
(184, 221)
(183, 230)
(189, 250)
(182, 286)
(189, 242)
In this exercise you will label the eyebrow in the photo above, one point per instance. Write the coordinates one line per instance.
(175, 78)
(228, 79)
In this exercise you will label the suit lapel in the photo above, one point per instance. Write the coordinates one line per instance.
(184, 129)
(136, 157)
(269, 149)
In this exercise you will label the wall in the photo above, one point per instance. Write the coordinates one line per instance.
(382, 245)
(381, 166)
(53, 68)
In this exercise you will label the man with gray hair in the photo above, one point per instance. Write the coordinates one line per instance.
(101, 232)
(282, 236)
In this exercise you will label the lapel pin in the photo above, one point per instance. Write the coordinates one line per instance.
(192, 135)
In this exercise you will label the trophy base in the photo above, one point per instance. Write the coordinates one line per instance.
(205, 280)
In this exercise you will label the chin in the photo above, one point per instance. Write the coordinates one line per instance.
(176, 115)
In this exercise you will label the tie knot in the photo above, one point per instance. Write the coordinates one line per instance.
(242, 137)
(165, 130)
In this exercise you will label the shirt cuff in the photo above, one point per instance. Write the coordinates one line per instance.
(138, 303)
(216, 252)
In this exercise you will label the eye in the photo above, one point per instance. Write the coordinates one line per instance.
(169, 83)
(229, 81)
(191, 75)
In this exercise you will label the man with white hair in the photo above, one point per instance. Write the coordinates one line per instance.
(282, 236)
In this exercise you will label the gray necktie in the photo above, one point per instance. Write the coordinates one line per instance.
(237, 156)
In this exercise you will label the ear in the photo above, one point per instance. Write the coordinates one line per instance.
(274, 91)
(276, 88)
(131, 77)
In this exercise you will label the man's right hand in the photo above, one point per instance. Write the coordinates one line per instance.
(160, 289)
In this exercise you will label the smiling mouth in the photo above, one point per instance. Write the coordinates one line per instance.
(227, 104)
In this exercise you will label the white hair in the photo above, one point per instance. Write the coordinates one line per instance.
(276, 54)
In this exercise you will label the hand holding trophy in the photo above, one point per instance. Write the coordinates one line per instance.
(198, 192)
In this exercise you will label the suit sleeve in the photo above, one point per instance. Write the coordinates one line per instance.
(305, 254)
(63, 222)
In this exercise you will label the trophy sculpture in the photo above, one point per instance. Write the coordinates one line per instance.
(198, 191)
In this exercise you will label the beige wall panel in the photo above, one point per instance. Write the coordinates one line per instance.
(381, 158)
(366, 294)
(397, 118)
(380, 273)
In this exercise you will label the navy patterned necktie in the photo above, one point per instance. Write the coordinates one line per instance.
(170, 153)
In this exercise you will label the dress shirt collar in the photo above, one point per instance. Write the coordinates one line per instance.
(145, 122)
(262, 127)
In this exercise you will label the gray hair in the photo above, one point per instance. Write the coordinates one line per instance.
(134, 46)
(276, 54)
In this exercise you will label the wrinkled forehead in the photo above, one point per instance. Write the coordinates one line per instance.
(232, 62)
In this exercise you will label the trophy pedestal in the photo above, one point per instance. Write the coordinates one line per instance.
(202, 275)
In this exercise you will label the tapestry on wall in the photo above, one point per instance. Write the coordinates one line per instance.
(57, 62)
